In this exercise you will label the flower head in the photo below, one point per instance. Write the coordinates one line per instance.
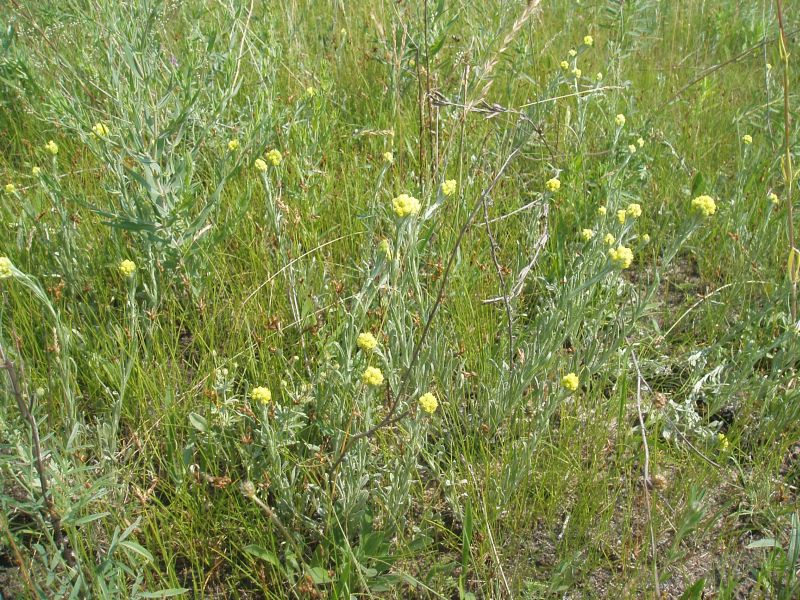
(51, 147)
(405, 205)
(577, 73)
(640, 141)
(553, 184)
(609, 239)
(372, 376)
(773, 197)
(564, 65)
(99, 129)
(747, 139)
(619, 120)
(35, 171)
(449, 187)
(634, 210)
(646, 238)
(599, 76)
(260, 165)
(573, 53)
(233, 145)
(127, 268)
(602, 210)
(274, 157)
(570, 382)
(724, 444)
(621, 257)
(705, 205)
(428, 403)
(5, 267)
(10, 188)
(621, 215)
(587, 234)
(261, 394)
(366, 341)
(310, 92)
(388, 157)
(588, 40)
(631, 149)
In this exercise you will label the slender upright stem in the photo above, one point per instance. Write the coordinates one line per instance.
(788, 175)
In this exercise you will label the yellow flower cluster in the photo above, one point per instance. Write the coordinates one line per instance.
(372, 376)
(634, 210)
(577, 73)
(366, 341)
(570, 382)
(449, 187)
(619, 120)
(602, 210)
(564, 65)
(388, 157)
(621, 256)
(405, 205)
(773, 197)
(609, 239)
(261, 165)
(588, 40)
(572, 52)
(705, 205)
(51, 147)
(747, 139)
(233, 145)
(310, 92)
(621, 215)
(10, 188)
(5, 267)
(428, 403)
(724, 444)
(127, 268)
(553, 184)
(631, 149)
(274, 157)
(99, 129)
(386, 249)
(587, 234)
(261, 394)
(35, 171)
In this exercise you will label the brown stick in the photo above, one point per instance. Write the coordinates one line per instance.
(61, 539)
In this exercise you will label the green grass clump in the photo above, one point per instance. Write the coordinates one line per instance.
(398, 300)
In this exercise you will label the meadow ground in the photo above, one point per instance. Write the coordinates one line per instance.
(393, 299)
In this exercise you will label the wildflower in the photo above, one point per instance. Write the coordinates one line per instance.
(577, 73)
(587, 234)
(386, 249)
(388, 157)
(773, 197)
(310, 92)
(233, 145)
(634, 210)
(428, 403)
(747, 139)
(609, 239)
(366, 341)
(621, 256)
(573, 52)
(619, 120)
(640, 141)
(449, 187)
(127, 268)
(705, 205)
(372, 376)
(602, 210)
(553, 184)
(51, 147)
(35, 171)
(599, 76)
(261, 394)
(11, 188)
(405, 205)
(646, 238)
(100, 130)
(631, 149)
(621, 215)
(724, 444)
(260, 165)
(274, 157)
(564, 65)
(5, 267)
(769, 67)
(570, 382)
(588, 40)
